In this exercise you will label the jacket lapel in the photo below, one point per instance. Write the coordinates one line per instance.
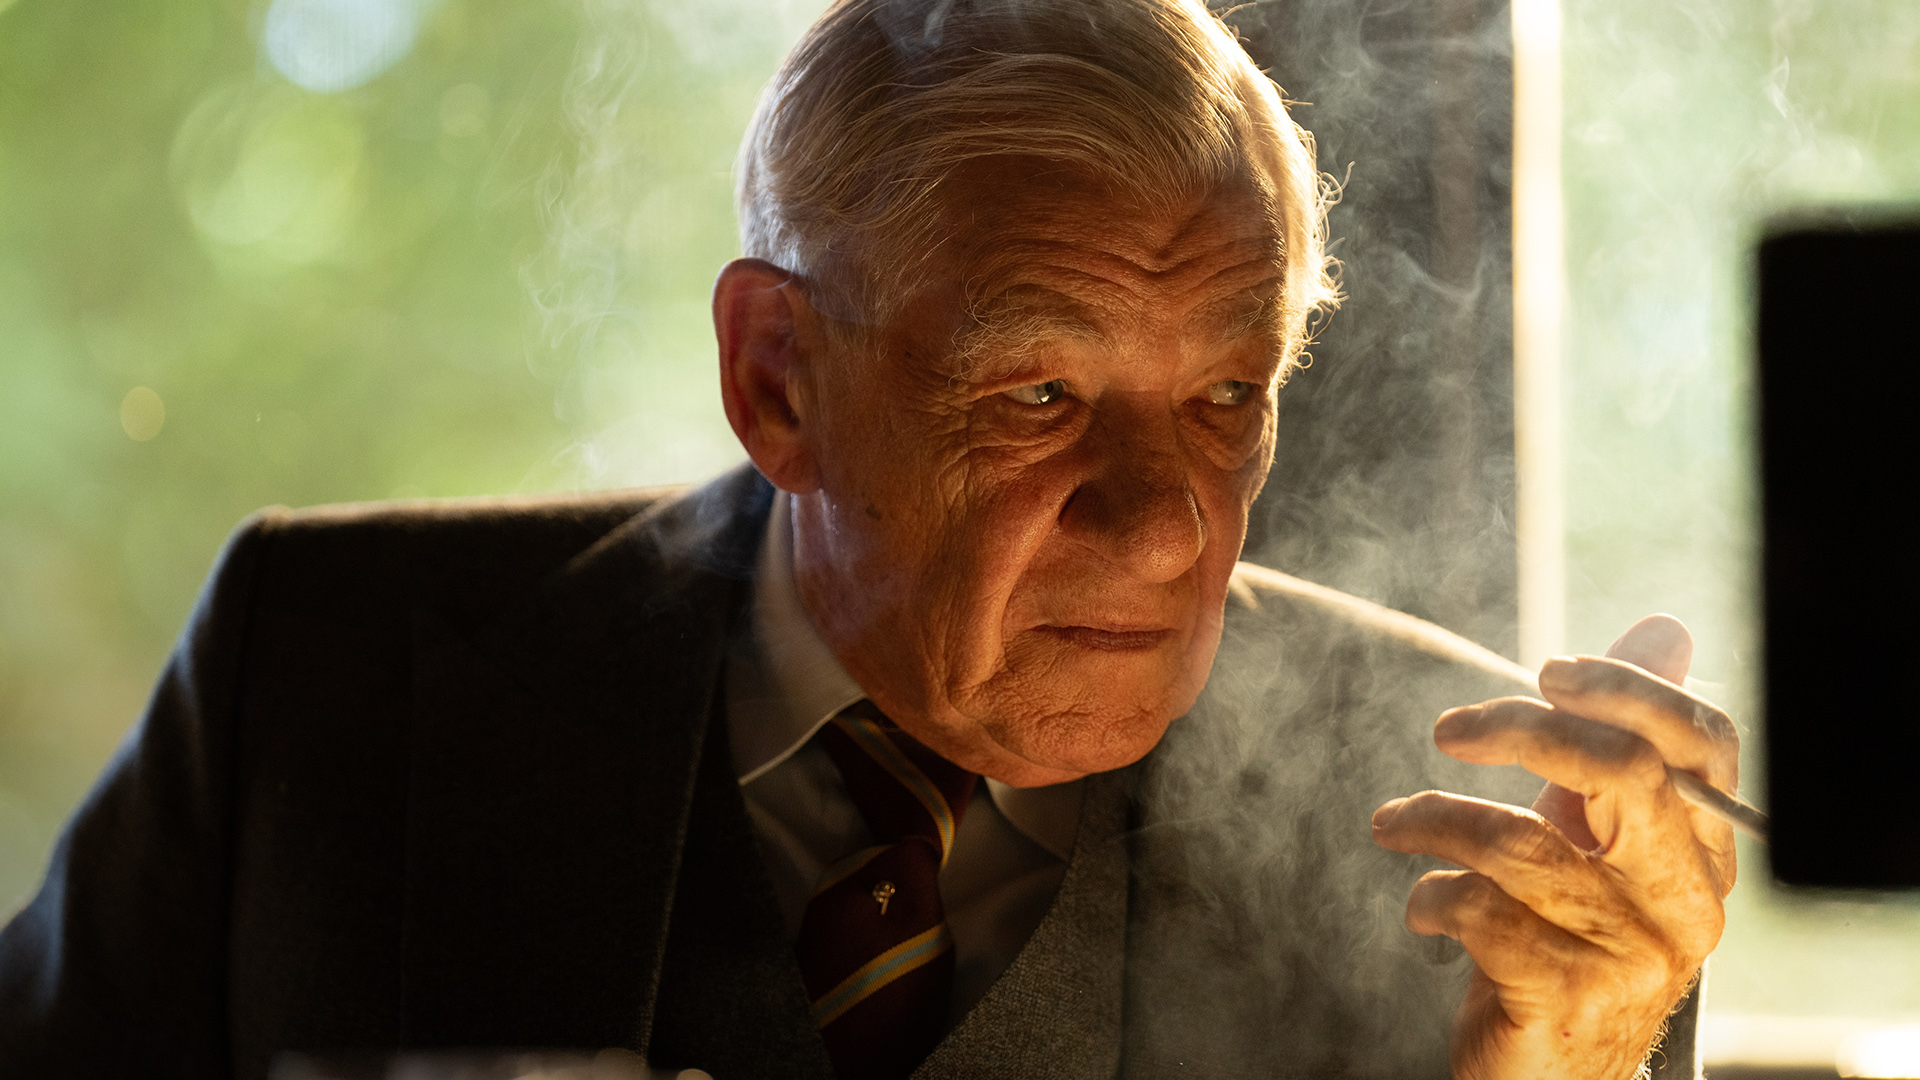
(554, 753)
(731, 999)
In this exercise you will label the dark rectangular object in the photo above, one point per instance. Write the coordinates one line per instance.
(1840, 438)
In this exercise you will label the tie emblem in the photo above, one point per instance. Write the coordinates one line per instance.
(874, 948)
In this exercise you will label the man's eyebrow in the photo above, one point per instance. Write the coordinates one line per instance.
(1003, 330)
(1231, 318)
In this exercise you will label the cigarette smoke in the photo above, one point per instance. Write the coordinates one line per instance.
(638, 218)
(1393, 482)
(1394, 474)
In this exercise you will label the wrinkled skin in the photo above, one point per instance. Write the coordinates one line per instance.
(1588, 916)
(1019, 545)
(1031, 585)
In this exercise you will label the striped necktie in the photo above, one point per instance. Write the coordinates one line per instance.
(874, 948)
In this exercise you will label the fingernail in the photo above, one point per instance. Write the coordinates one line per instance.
(1385, 815)
(1560, 672)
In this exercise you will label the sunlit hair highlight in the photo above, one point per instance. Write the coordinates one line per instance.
(840, 176)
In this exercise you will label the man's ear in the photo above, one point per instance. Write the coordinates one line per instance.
(766, 328)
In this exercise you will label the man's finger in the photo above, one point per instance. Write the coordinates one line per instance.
(1572, 751)
(1619, 769)
(1610, 775)
(1523, 853)
(1660, 644)
(1510, 942)
(1690, 732)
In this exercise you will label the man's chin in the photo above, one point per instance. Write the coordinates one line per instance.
(1068, 747)
(1067, 738)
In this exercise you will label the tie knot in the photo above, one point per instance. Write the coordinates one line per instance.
(901, 788)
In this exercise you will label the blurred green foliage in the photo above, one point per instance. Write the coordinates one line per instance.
(220, 291)
(485, 268)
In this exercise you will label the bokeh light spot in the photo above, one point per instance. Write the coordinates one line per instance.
(332, 45)
(142, 413)
(274, 172)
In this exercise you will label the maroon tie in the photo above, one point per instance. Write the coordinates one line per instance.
(874, 948)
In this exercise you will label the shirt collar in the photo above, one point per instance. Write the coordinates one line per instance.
(808, 682)
(810, 687)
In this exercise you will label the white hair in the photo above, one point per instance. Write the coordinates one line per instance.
(840, 175)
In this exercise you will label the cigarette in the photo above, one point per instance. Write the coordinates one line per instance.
(1735, 812)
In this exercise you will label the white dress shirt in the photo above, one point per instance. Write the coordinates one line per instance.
(783, 683)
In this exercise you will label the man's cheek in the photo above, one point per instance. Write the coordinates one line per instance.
(931, 472)
(1260, 458)
(1249, 476)
(1007, 512)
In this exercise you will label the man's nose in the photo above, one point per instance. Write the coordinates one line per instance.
(1138, 507)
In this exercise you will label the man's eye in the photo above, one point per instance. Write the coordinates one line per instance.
(1230, 392)
(1045, 393)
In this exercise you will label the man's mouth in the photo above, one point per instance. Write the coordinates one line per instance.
(1110, 639)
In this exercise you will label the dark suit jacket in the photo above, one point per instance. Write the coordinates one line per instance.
(443, 775)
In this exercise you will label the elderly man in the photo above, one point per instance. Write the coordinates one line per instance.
(950, 739)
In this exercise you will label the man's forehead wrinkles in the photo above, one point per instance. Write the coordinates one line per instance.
(1233, 313)
(1001, 248)
(1007, 330)
(1199, 239)
(1077, 275)
(1081, 303)
(1031, 298)
(1032, 272)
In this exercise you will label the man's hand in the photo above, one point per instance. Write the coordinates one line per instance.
(1588, 916)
